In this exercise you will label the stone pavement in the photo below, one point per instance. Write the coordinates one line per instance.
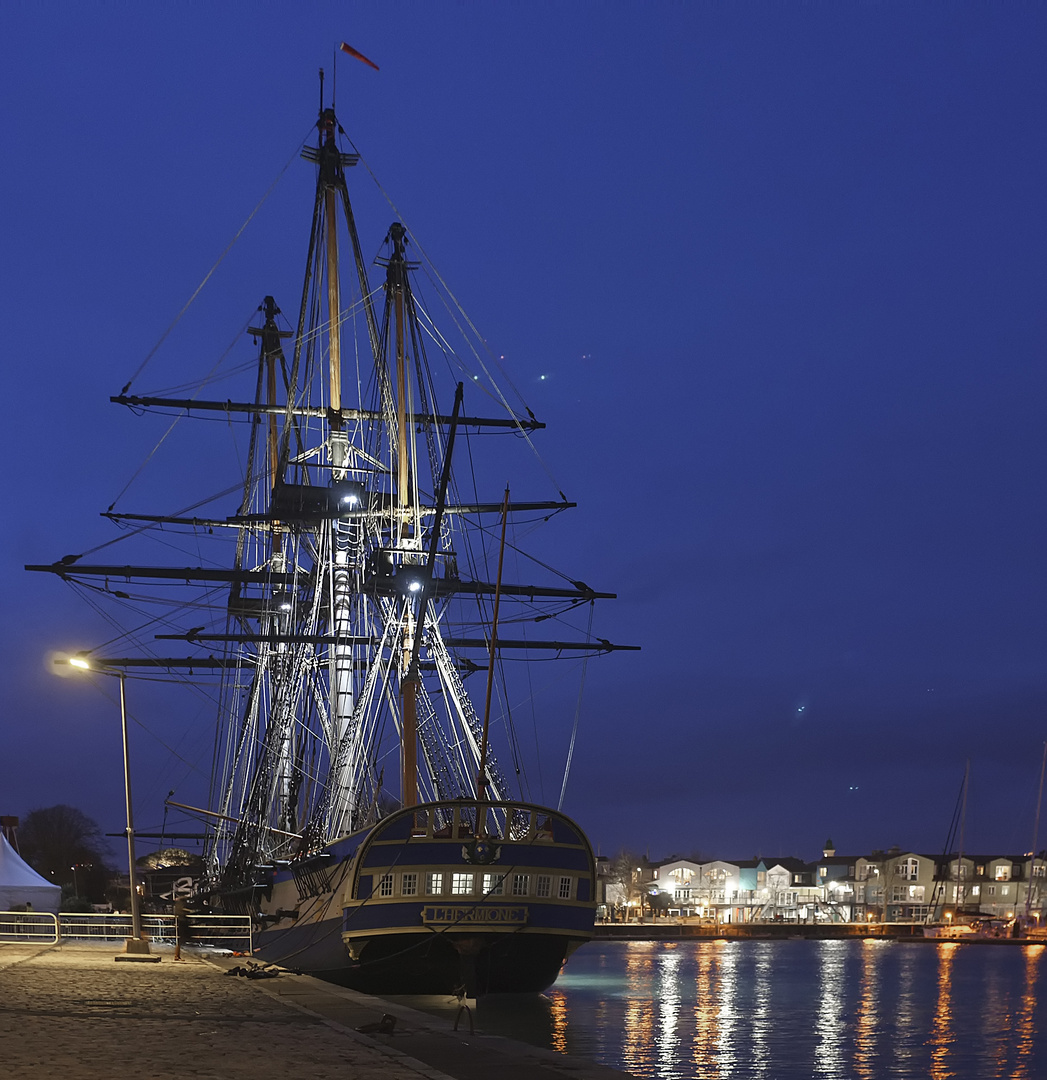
(69, 1010)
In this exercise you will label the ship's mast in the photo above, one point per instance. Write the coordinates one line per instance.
(343, 535)
(332, 182)
(396, 273)
(481, 779)
(406, 535)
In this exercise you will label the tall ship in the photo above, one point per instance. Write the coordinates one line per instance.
(336, 603)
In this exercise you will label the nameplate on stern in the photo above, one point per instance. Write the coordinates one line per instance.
(472, 915)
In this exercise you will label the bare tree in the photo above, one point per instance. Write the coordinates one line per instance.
(56, 838)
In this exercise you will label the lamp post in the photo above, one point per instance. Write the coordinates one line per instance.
(135, 943)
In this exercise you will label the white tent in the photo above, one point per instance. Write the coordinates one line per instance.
(20, 884)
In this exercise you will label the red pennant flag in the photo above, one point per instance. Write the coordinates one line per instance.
(359, 55)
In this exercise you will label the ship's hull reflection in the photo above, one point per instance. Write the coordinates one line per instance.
(529, 1018)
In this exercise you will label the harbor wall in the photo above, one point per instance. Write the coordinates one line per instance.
(665, 930)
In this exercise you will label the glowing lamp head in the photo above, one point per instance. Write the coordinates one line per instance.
(410, 579)
(80, 662)
(348, 495)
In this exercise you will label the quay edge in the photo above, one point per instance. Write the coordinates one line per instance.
(907, 932)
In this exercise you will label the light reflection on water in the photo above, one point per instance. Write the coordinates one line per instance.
(792, 1010)
(668, 1007)
(867, 1013)
(1025, 1028)
(941, 1029)
(831, 1026)
(762, 1017)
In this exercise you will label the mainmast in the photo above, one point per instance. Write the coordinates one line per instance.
(407, 536)
(343, 538)
(396, 274)
(333, 181)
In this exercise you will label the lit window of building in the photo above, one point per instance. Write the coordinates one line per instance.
(434, 883)
(908, 869)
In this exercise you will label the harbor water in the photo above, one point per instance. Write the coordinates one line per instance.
(794, 1009)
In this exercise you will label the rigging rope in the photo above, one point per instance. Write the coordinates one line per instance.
(183, 412)
(577, 713)
(431, 267)
(207, 277)
(153, 524)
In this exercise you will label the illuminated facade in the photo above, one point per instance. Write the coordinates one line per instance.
(882, 886)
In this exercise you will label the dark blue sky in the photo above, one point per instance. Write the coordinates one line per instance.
(783, 267)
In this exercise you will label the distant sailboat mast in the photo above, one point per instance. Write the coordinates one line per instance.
(1035, 838)
(961, 888)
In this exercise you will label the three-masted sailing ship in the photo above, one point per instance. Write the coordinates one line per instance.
(358, 594)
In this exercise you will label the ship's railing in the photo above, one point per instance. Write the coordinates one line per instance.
(41, 927)
(29, 927)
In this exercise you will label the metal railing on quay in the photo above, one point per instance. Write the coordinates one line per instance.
(41, 927)
(29, 927)
(103, 926)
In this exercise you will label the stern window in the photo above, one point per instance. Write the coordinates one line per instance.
(494, 884)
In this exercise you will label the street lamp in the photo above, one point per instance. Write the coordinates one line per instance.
(135, 943)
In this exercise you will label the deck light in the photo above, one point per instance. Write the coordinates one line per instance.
(348, 494)
(410, 579)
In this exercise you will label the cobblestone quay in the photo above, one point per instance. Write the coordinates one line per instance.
(69, 1011)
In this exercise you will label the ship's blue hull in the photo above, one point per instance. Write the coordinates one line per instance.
(417, 906)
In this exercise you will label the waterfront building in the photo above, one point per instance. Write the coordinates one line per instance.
(1001, 886)
(681, 880)
(883, 886)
